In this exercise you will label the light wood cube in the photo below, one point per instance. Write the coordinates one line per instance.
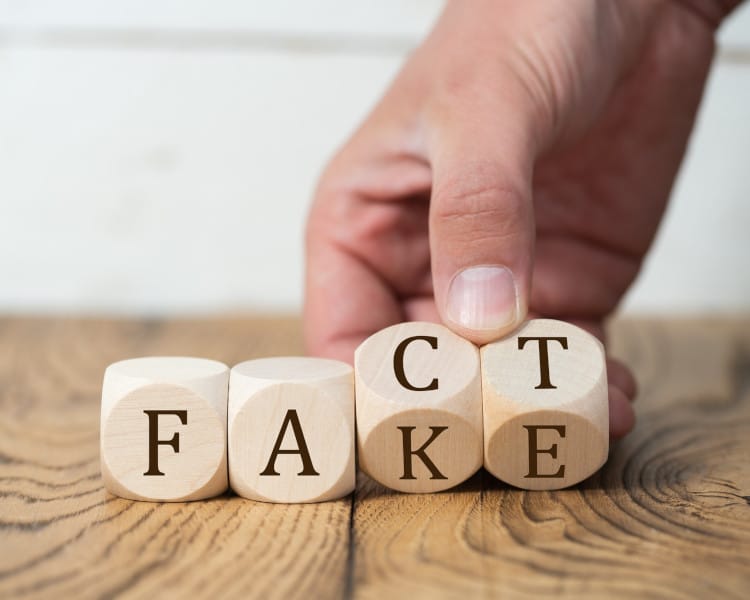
(291, 429)
(419, 407)
(163, 428)
(546, 411)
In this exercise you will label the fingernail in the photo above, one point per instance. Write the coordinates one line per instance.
(483, 298)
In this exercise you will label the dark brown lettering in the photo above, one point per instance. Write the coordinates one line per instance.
(398, 363)
(153, 437)
(535, 451)
(545, 383)
(307, 466)
(420, 452)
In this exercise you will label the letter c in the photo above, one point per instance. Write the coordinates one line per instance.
(398, 363)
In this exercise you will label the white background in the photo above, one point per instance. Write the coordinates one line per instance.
(159, 156)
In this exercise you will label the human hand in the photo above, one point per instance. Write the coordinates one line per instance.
(518, 165)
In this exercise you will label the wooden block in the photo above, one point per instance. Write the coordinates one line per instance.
(163, 428)
(546, 411)
(291, 429)
(419, 407)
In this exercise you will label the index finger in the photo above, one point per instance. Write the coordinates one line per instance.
(345, 300)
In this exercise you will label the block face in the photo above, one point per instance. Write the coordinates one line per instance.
(419, 407)
(163, 429)
(546, 410)
(291, 429)
(391, 452)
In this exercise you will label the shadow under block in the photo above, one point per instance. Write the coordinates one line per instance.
(163, 428)
(419, 407)
(291, 429)
(546, 411)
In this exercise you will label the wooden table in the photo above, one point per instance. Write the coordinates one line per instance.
(668, 516)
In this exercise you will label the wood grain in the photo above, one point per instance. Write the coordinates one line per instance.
(667, 517)
(63, 536)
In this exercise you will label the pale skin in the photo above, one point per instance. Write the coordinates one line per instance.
(536, 140)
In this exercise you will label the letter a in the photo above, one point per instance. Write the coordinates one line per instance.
(307, 466)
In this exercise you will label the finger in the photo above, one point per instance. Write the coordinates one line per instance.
(622, 377)
(345, 301)
(366, 242)
(576, 278)
(621, 414)
(481, 216)
(421, 308)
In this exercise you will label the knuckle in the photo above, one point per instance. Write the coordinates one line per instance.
(488, 208)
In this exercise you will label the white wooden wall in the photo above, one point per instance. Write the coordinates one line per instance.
(159, 156)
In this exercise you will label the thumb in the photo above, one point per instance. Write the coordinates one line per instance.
(482, 224)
